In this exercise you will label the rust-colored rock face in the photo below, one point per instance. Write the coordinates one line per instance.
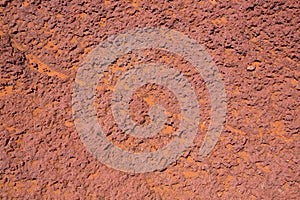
(254, 45)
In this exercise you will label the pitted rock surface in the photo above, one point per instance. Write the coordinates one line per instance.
(255, 45)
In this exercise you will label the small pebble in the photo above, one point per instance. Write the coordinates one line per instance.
(251, 68)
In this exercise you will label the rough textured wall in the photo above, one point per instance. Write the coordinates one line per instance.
(255, 45)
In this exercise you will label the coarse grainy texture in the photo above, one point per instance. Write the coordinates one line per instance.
(255, 45)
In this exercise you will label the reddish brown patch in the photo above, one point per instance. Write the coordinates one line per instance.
(42, 45)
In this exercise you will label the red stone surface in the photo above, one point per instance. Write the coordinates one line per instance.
(255, 46)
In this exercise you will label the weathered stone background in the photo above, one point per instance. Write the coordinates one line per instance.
(255, 45)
